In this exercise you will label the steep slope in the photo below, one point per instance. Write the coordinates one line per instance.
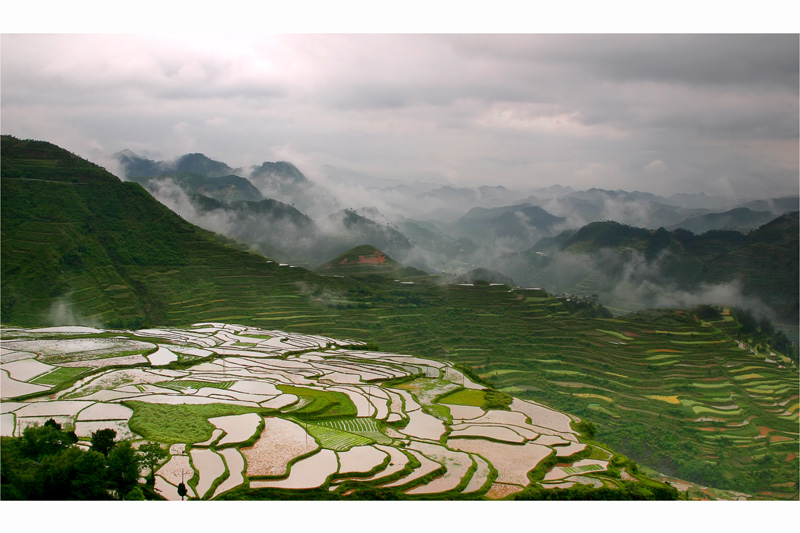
(234, 207)
(285, 182)
(281, 176)
(38, 160)
(271, 227)
(227, 188)
(279, 180)
(79, 244)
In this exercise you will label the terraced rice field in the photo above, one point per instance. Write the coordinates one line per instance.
(361, 459)
(522, 341)
(281, 442)
(209, 467)
(237, 428)
(636, 389)
(336, 439)
(245, 423)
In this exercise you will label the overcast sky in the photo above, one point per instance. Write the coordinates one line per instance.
(657, 113)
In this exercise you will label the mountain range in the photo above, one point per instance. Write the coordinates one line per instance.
(268, 210)
(627, 266)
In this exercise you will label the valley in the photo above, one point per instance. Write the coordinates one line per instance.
(612, 244)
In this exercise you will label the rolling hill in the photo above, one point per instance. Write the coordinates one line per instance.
(366, 260)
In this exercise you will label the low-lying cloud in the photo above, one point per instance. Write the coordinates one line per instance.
(62, 312)
(630, 283)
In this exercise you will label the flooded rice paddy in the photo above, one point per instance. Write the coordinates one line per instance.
(88, 380)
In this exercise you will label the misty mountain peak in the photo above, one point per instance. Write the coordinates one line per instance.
(202, 164)
(136, 166)
(125, 153)
(283, 169)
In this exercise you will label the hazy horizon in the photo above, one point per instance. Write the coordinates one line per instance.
(656, 113)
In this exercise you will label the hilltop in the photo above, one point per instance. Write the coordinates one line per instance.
(366, 260)
(137, 166)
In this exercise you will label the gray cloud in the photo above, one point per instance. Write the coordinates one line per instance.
(720, 112)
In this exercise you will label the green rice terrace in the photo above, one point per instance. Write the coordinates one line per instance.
(704, 398)
(252, 414)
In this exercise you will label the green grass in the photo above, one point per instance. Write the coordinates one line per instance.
(58, 376)
(583, 468)
(471, 397)
(353, 425)
(615, 334)
(364, 427)
(172, 424)
(318, 403)
(661, 356)
(335, 439)
(192, 384)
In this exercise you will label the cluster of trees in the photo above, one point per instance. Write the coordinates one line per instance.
(494, 399)
(45, 464)
(761, 331)
(377, 289)
(585, 306)
(628, 490)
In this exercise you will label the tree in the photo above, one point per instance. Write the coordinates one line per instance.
(90, 481)
(103, 440)
(136, 494)
(181, 490)
(123, 468)
(53, 479)
(44, 440)
(152, 454)
(586, 428)
(70, 436)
